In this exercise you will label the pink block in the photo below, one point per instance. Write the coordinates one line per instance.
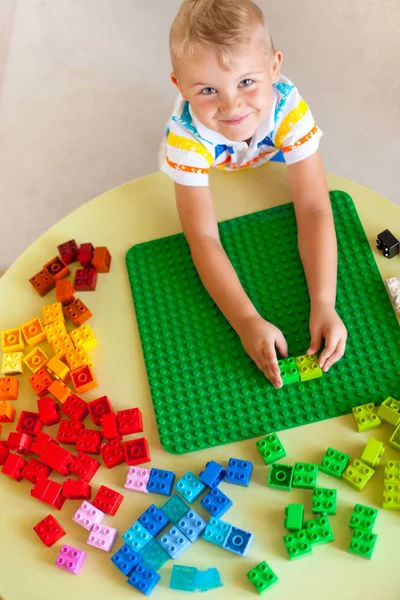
(88, 515)
(70, 559)
(102, 537)
(137, 479)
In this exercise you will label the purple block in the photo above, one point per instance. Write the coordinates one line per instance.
(137, 479)
(102, 537)
(88, 515)
(70, 559)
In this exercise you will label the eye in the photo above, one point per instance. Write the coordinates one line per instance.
(208, 91)
(246, 82)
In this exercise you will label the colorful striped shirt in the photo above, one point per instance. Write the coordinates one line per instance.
(190, 149)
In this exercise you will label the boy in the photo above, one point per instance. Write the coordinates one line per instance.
(235, 110)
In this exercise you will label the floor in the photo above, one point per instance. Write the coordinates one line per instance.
(85, 95)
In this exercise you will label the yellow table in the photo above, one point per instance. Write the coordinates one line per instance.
(136, 212)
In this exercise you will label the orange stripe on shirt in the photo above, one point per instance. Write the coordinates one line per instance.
(302, 140)
(254, 160)
(186, 168)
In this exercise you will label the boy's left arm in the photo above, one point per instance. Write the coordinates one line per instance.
(318, 252)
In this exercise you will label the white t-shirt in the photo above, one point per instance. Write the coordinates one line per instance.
(190, 149)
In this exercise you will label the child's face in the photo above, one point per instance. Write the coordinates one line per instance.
(232, 102)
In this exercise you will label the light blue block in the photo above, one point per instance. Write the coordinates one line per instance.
(174, 542)
(216, 531)
(175, 508)
(192, 525)
(190, 487)
(208, 580)
(183, 578)
(137, 537)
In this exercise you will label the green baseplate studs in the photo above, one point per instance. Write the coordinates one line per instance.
(206, 391)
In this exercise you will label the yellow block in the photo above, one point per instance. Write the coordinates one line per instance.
(33, 332)
(52, 313)
(57, 368)
(36, 359)
(12, 340)
(12, 363)
(77, 358)
(54, 330)
(83, 337)
(62, 344)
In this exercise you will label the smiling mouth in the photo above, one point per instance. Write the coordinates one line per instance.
(235, 121)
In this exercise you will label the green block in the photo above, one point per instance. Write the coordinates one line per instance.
(280, 477)
(297, 544)
(324, 501)
(392, 472)
(334, 463)
(294, 517)
(308, 367)
(394, 440)
(363, 517)
(391, 496)
(289, 370)
(305, 475)
(373, 453)
(389, 411)
(362, 543)
(262, 577)
(175, 508)
(270, 449)
(365, 417)
(357, 474)
(319, 531)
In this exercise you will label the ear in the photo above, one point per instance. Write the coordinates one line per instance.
(276, 65)
(175, 81)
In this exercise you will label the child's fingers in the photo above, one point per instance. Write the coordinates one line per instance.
(271, 370)
(336, 355)
(315, 343)
(281, 344)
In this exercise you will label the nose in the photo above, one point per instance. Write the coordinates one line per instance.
(230, 106)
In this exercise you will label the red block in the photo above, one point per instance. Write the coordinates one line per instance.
(76, 489)
(137, 451)
(43, 282)
(20, 442)
(89, 440)
(68, 431)
(48, 411)
(84, 466)
(13, 466)
(56, 268)
(4, 452)
(69, 252)
(57, 458)
(110, 427)
(41, 442)
(85, 254)
(112, 453)
(49, 531)
(129, 421)
(40, 382)
(35, 469)
(75, 408)
(29, 422)
(98, 408)
(85, 280)
(107, 500)
(49, 492)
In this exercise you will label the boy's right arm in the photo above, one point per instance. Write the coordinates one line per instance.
(199, 224)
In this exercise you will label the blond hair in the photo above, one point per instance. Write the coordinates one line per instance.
(219, 25)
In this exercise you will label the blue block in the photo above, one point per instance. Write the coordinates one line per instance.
(160, 482)
(239, 471)
(175, 508)
(213, 474)
(216, 503)
(238, 541)
(154, 520)
(216, 531)
(174, 542)
(183, 578)
(143, 579)
(137, 536)
(208, 580)
(192, 525)
(153, 555)
(190, 487)
(125, 559)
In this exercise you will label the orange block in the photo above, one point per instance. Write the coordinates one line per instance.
(83, 379)
(77, 311)
(33, 332)
(7, 413)
(59, 391)
(9, 388)
(101, 259)
(56, 268)
(64, 291)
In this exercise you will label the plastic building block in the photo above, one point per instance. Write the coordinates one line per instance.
(153, 555)
(394, 440)
(83, 379)
(363, 517)
(84, 466)
(110, 427)
(77, 311)
(271, 449)
(137, 537)
(280, 477)
(297, 544)
(289, 370)
(389, 411)
(101, 259)
(14, 466)
(294, 517)
(174, 542)
(392, 472)
(12, 363)
(190, 487)
(64, 291)
(4, 452)
(262, 577)
(49, 492)
(393, 286)
(49, 531)
(107, 500)
(213, 474)
(33, 332)
(216, 503)
(160, 482)
(238, 541)
(43, 282)
(391, 496)
(41, 442)
(62, 344)
(40, 382)
(192, 525)
(59, 391)
(86, 254)
(9, 388)
(102, 537)
(29, 422)
(334, 463)
(137, 452)
(324, 501)
(52, 312)
(137, 479)
(85, 280)
(387, 243)
(216, 531)
(208, 580)
(143, 579)
(183, 578)
(238, 472)
(75, 408)
(20, 442)
(57, 458)
(363, 543)
(305, 476)
(71, 559)
(89, 440)
(373, 452)
(34, 469)
(68, 431)
(98, 408)
(154, 520)
(54, 330)
(129, 421)
(175, 509)
(84, 337)
(88, 515)
(69, 252)
(308, 367)
(76, 489)
(126, 559)
(112, 453)
(12, 340)
(57, 369)
(48, 411)
(77, 357)
(7, 412)
(319, 531)
(56, 268)
(35, 360)
(357, 474)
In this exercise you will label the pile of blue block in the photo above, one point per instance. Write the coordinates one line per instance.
(163, 533)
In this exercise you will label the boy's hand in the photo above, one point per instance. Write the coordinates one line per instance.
(259, 338)
(326, 323)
